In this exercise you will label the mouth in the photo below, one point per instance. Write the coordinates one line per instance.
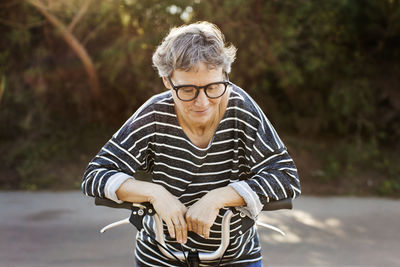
(200, 112)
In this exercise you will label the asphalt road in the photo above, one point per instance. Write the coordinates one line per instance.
(62, 229)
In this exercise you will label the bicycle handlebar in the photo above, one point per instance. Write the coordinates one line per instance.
(270, 206)
(111, 204)
(225, 225)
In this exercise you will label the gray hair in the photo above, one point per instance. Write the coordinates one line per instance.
(188, 45)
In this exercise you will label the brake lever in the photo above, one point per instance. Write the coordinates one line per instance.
(138, 211)
(271, 227)
(115, 224)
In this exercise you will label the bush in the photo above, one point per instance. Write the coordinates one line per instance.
(319, 70)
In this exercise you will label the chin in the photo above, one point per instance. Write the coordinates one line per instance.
(200, 119)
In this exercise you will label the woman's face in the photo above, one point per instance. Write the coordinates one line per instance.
(202, 110)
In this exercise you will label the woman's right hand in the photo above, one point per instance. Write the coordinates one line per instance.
(167, 206)
(172, 212)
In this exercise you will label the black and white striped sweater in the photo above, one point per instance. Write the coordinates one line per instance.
(245, 153)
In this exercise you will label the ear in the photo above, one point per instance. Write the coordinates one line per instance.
(166, 82)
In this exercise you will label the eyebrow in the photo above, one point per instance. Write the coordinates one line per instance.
(186, 84)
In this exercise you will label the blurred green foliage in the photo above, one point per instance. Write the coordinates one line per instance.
(322, 70)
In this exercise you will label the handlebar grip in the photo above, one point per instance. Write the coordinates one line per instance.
(109, 203)
(279, 205)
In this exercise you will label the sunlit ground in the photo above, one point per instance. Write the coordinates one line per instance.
(62, 229)
(334, 232)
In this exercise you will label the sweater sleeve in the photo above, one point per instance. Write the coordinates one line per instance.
(128, 151)
(273, 174)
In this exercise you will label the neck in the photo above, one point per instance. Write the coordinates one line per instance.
(199, 129)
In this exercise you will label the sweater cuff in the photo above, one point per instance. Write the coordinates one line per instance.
(253, 205)
(112, 185)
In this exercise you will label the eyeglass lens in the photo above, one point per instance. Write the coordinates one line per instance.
(212, 91)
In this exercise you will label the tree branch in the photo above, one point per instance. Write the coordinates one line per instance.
(79, 15)
(74, 44)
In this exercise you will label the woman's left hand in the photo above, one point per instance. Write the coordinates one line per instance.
(201, 215)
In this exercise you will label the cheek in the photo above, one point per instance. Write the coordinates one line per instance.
(215, 102)
(182, 106)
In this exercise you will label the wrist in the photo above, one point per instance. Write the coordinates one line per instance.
(217, 198)
(154, 191)
(226, 197)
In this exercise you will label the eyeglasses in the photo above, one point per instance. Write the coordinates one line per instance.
(189, 92)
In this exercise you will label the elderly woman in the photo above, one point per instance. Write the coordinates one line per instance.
(207, 144)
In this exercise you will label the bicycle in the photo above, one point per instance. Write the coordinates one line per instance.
(191, 258)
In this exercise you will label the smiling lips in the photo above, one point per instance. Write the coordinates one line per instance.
(201, 111)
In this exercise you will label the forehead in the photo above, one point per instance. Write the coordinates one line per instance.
(198, 75)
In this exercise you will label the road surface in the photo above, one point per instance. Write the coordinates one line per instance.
(62, 229)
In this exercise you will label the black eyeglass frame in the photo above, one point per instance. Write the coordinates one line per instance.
(176, 88)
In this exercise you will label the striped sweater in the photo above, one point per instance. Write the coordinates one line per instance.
(245, 153)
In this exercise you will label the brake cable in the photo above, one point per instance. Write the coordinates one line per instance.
(166, 249)
(184, 255)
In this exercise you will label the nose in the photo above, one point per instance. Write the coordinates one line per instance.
(202, 99)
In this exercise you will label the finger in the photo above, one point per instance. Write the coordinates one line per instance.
(200, 226)
(189, 225)
(194, 226)
(188, 222)
(184, 229)
(178, 230)
(206, 231)
(171, 229)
